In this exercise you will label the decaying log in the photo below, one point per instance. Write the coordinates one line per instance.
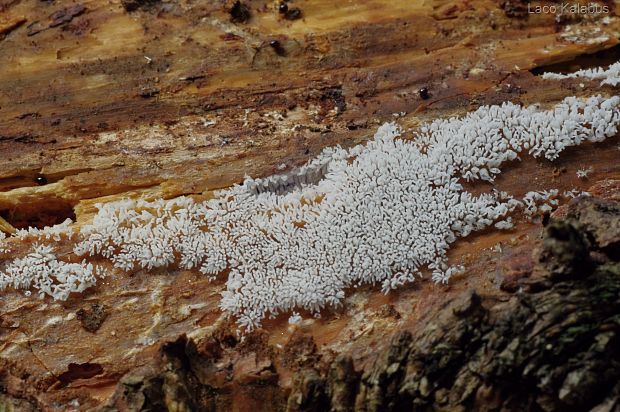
(551, 346)
(108, 100)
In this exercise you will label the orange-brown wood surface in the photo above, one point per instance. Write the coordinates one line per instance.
(175, 98)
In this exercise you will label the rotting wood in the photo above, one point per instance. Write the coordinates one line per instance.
(173, 98)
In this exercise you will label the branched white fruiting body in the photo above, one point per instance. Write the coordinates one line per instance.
(295, 319)
(542, 201)
(583, 173)
(573, 193)
(3, 247)
(55, 232)
(42, 271)
(504, 224)
(609, 76)
(309, 174)
(375, 213)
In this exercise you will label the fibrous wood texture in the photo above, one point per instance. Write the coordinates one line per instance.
(107, 100)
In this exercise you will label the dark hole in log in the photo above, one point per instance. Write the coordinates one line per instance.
(77, 371)
(602, 58)
(38, 215)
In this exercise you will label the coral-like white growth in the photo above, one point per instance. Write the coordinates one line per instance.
(295, 319)
(145, 235)
(609, 76)
(542, 201)
(3, 247)
(504, 224)
(41, 270)
(573, 193)
(583, 173)
(379, 212)
(55, 232)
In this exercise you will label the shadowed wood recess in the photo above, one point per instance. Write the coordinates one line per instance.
(104, 100)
